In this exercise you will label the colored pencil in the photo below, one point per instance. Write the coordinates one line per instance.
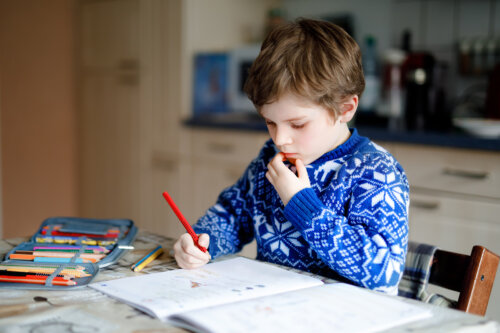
(43, 270)
(71, 247)
(183, 220)
(44, 258)
(147, 259)
(63, 260)
(62, 254)
(73, 240)
(6, 272)
(74, 234)
(64, 251)
(25, 279)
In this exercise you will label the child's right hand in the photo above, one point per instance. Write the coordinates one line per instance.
(188, 255)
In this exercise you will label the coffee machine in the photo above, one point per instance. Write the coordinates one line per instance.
(425, 102)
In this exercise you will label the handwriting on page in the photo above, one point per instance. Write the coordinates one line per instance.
(227, 281)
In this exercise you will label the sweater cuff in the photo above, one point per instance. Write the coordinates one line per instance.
(301, 207)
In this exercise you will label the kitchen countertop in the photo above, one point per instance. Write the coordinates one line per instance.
(454, 138)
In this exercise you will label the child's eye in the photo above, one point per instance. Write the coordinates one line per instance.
(298, 126)
(269, 123)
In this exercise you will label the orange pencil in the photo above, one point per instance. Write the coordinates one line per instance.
(25, 279)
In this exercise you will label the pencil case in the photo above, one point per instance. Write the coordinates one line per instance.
(68, 231)
(48, 276)
(67, 242)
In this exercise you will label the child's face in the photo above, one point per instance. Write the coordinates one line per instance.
(301, 129)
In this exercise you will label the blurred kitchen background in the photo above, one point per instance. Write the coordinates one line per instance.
(104, 104)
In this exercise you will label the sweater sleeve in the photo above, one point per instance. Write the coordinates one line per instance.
(228, 222)
(367, 243)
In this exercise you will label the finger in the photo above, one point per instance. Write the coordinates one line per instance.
(179, 255)
(179, 249)
(301, 168)
(277, 166)
(189, 259)
(188, 262)
(189, 247)
(194, 250)
(270, 178)
(204, 240)
(272, 167)
(278, 159)
(279, 156)
(271, 170)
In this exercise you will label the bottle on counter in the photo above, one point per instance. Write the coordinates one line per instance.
(391, 103)
(370, 96)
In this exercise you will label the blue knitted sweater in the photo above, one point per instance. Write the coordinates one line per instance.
(351, 224)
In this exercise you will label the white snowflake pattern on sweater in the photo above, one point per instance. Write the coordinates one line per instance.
(352, 223)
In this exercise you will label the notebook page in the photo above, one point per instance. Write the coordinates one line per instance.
(166, 293)
(329, 308)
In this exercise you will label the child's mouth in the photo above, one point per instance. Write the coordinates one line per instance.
(290, 157)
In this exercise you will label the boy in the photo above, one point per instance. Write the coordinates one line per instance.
(319, 197)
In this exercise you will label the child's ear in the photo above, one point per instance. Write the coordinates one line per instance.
(348, 108)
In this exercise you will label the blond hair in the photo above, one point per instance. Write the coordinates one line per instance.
(313, 59)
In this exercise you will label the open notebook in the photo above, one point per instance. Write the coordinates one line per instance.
(244, 295)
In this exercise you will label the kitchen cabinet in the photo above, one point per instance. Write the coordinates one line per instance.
(218, 161)
(130, 136)
(135, 68)
(108, 149)
(458, 171)
(454, 200)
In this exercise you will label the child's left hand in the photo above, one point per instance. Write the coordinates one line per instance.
(286, 183)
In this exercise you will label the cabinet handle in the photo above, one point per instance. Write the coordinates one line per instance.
(422, 204)
(131, 64)
(465, 173)
(162, 163)
(216, 147)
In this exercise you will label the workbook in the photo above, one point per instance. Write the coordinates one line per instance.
(245, 295)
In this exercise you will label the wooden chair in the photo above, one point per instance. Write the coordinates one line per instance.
(471, 275)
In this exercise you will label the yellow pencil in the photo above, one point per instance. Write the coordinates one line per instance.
(147, 259)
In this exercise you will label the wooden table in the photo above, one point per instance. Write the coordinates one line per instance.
(86, 310)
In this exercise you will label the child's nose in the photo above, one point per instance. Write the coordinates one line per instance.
(282, 137)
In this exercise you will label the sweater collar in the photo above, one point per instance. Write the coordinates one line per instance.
(348, 147)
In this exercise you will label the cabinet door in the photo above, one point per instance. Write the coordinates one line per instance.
(109, 53)
(454, 223)
(219, 159)
(227, 146)
(109, 147)
(109, 34)
(457, 225)
(169, 173)
(209, 179)
(469, 172)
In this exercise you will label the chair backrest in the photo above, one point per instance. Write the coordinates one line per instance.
(471, 275)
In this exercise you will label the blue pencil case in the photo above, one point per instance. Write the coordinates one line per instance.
(65, 243)
(55, 276)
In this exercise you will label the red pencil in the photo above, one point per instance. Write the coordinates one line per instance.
(183, 220)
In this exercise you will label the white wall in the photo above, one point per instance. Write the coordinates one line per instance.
(436, 25)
